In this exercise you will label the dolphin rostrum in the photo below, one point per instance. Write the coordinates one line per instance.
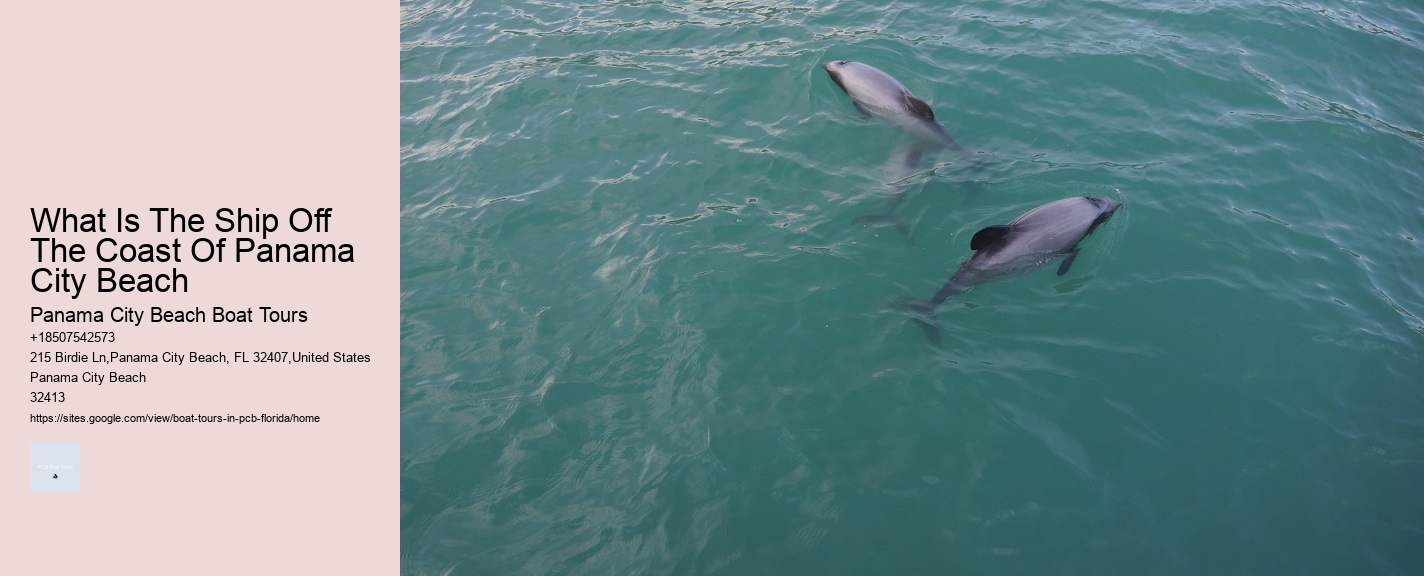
(1030, 242)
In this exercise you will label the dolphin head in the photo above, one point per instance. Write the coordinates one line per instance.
(1106, 208)
(1106, 205)
(833, 68)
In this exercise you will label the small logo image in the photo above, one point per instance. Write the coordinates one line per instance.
(54, 467)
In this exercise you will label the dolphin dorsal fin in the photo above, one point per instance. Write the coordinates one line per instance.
(919, 108)
(989, 236)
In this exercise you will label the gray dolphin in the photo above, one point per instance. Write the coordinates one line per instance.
(875, 93)
(1030, 242)
(878, 94)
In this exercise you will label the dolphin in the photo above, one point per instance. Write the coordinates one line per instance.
(1030, 242)
(875, 93)
(878, 94)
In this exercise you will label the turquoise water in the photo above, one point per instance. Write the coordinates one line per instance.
(640, 334)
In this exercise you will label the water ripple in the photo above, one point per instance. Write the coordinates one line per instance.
(640, 332)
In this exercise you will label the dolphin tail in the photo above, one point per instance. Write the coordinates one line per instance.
(886, 218)
(924, 316)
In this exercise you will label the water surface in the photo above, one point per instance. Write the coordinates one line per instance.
(640, 334)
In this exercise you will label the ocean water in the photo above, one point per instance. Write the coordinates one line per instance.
(641, 334)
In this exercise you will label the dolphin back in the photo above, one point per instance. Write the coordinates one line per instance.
(1055, 227)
